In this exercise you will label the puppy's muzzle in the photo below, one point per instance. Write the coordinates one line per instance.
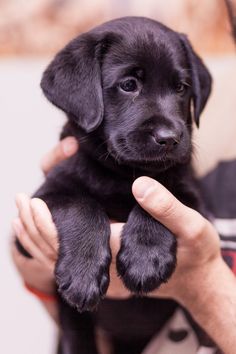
(166, 138)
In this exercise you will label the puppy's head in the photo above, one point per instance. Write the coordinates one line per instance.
(134, 81)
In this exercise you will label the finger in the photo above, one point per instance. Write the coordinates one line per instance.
(29, 245)
(63, 150)
(16, 255)
(116, 229)
(23, 204)
(44, 223)
(183, 221)
(116, 288)
(20, 260)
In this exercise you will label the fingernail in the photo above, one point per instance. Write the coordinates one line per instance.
(17, 226)
(142, 187)
(69, 146)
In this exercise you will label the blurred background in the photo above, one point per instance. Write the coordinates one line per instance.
(31, 32)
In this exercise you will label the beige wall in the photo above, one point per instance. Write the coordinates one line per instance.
(216, 138)
(43, 26)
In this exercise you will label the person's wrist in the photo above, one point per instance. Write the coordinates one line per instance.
(46, 286)
(213, 305)
(41, 294)
(202, 292)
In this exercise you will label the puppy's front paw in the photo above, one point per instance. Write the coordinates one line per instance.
(81, 283)
(144, 263)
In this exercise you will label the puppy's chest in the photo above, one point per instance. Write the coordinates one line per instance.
(118, 208)
(114, 194)
(112, 188)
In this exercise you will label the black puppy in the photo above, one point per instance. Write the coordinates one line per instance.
(127, 87)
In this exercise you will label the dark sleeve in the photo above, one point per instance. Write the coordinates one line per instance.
(218, 190)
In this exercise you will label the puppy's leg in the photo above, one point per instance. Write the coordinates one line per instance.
(77, 331)
(133, 346)
(147, 256)
(82, 269)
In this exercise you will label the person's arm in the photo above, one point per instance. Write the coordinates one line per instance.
(202, 282)
(213, 305)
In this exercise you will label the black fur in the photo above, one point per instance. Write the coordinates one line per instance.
(123, 134)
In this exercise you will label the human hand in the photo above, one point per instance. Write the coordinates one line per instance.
(198, 242)
(35, 229)
(202, 282)
(198, 251)
(63, 150)
(38, 235)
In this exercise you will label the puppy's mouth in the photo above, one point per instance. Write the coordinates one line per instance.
(145, 154)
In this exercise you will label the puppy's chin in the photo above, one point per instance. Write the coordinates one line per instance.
(143, 153)
(149, 162)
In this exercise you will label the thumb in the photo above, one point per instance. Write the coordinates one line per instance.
(153, 197)
(62, 151)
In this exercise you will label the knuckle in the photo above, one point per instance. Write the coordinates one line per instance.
(55, 245)
(33, 235)
(50, 255)
(37, 221)
(199, 228)
(164, 205)
(51, 267)
(24, 240)
(48, 252)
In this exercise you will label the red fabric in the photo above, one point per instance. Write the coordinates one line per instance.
(41, 295)
(231, 255)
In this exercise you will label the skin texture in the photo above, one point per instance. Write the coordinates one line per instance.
(198, 252)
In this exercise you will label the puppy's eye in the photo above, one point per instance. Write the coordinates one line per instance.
(181, 87)
(129, 85)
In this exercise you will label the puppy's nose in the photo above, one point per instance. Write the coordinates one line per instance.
(166, 137)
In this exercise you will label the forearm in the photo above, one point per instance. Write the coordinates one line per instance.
(213, 304)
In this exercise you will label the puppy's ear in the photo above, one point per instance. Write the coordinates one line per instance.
(72, 81)
(201, 79)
